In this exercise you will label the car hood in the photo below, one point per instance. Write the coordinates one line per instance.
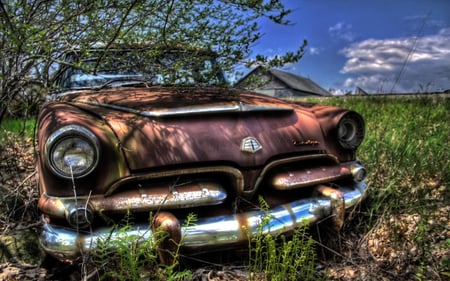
(159, 127)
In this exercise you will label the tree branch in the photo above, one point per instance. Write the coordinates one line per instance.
(166, 21)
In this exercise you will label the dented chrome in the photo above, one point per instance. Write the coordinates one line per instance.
(295, 178)
(155, 198)
(219, 231)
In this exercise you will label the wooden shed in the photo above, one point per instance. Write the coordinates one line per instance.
(280, 84)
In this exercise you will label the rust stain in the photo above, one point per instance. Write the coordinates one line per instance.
(337, 204)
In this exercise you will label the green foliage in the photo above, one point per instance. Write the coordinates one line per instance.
(35, 34)
(444, 268)
(278, 257)
(134, 257)
(19, 127)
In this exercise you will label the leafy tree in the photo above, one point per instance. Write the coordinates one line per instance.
(35, 33)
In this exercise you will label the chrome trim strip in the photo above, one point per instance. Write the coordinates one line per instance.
(220, 231)
(225, 107)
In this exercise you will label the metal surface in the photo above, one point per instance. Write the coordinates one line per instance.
(228, 107)
(220, 231)
(187, 195)
(135, 144)
(143, 195)
(150, 141)
(250, 145)
(296, 178)
(337, 204)
(168, 226)
(180, 147)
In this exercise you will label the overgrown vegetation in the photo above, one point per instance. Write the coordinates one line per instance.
(403, 226)
(36, 34)
(135, 257)
(19, 127)
(401, 232)
(280, 258)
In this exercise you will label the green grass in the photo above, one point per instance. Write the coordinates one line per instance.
(407, 140)
(407, 154)
(17, 127)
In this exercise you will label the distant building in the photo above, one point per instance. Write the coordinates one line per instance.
(360, 92)
(280, 84)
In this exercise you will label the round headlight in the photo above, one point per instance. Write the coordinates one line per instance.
(72, 152)
(350, 130)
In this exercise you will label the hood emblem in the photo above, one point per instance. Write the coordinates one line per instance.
(250, 145)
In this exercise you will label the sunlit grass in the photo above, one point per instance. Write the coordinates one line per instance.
(407, 154)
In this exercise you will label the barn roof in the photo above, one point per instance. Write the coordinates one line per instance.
(299, 83)
(292, 81)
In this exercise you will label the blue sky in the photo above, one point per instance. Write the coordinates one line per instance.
(377, 45)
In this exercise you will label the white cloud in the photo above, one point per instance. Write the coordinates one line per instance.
(337, 92)
(342, 31)
(314, 51)
(422, 63)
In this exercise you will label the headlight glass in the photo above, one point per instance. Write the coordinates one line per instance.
(350, 130)
(72, 151)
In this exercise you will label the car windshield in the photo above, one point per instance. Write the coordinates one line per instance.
(122, 67)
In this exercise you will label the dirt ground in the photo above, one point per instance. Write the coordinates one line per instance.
(393, 249)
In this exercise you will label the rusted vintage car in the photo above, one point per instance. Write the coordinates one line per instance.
(120, 139)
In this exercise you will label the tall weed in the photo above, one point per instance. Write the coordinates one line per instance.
(134, 257)
(279, 258)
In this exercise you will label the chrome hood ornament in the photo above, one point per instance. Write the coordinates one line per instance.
(250, 145)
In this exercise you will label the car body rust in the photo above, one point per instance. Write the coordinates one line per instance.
(176, 150)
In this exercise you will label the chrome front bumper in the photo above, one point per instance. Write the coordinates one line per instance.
(221, 231)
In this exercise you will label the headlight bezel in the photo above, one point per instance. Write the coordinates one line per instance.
(350, 130)
(77, 134)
